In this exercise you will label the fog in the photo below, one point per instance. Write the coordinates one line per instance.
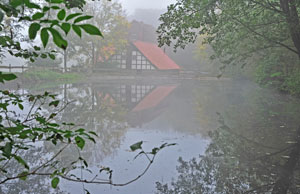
(131, 5)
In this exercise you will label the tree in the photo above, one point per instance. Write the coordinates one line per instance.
(263, 34)
(185, 19)
(110, 18)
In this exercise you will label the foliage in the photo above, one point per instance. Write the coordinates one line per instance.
(39, 18)
(262, 34)
(291, 84)
(201, 53)
(229, 25)
(110, 18)
(25, 120)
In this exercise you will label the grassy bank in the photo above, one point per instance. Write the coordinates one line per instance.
(48, 75)
(44, 79)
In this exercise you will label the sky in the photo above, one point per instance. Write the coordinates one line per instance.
(131, 5)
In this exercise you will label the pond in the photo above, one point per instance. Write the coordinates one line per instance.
(231, 137)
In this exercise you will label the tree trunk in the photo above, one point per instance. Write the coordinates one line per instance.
(93, 55)
(290, 10)
(65, 61)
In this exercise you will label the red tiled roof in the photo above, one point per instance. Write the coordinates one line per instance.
(155, 55)
(154, 98)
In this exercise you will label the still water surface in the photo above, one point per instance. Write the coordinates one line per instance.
(232, 137)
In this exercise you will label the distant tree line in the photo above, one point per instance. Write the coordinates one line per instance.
(263, 35)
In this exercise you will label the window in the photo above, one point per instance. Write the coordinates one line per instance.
(138, 92)
(139, 61)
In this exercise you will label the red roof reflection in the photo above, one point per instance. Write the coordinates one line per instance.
(154, 98)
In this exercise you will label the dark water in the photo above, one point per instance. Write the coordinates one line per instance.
(232, 137)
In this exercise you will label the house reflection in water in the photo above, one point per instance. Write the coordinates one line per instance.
(144, 102)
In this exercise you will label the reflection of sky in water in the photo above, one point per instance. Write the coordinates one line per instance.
(163, 168)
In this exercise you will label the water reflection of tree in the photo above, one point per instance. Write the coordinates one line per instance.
(95, 110)
(95, 113)
(233, 163)
(258, 153)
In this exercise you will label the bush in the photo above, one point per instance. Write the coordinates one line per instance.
(292, 83)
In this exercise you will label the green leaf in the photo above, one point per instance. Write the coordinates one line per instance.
(82, 18)
(38, 15)
(44, 36)
(85, 163)
(93, 133)
(61, 14)
(7, 149)
(54, 141)
(56, 1)
(55, 7)
(7, 77)
(54, 182)
(90, 29)
(77, 30)
(40, 136)
(57, 39)
(21, 106)
(42, 120)
(154, 151)
(31, 5)
(43, 56)
(277, 74)
(14, 130)
(37, 48)
(66, 27)
(46, 8)
(23, 175)
(5, 92)
(87, 191)
(52, 115)
(16, 3)
(53, 124)
(54, 103)
(31, 98)
(51, 56)
(92, 139)
(80, 130)
(33, 29)
(71, 16)
(21, 161)
(136, 146)
(1, 17)
(79, 142)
